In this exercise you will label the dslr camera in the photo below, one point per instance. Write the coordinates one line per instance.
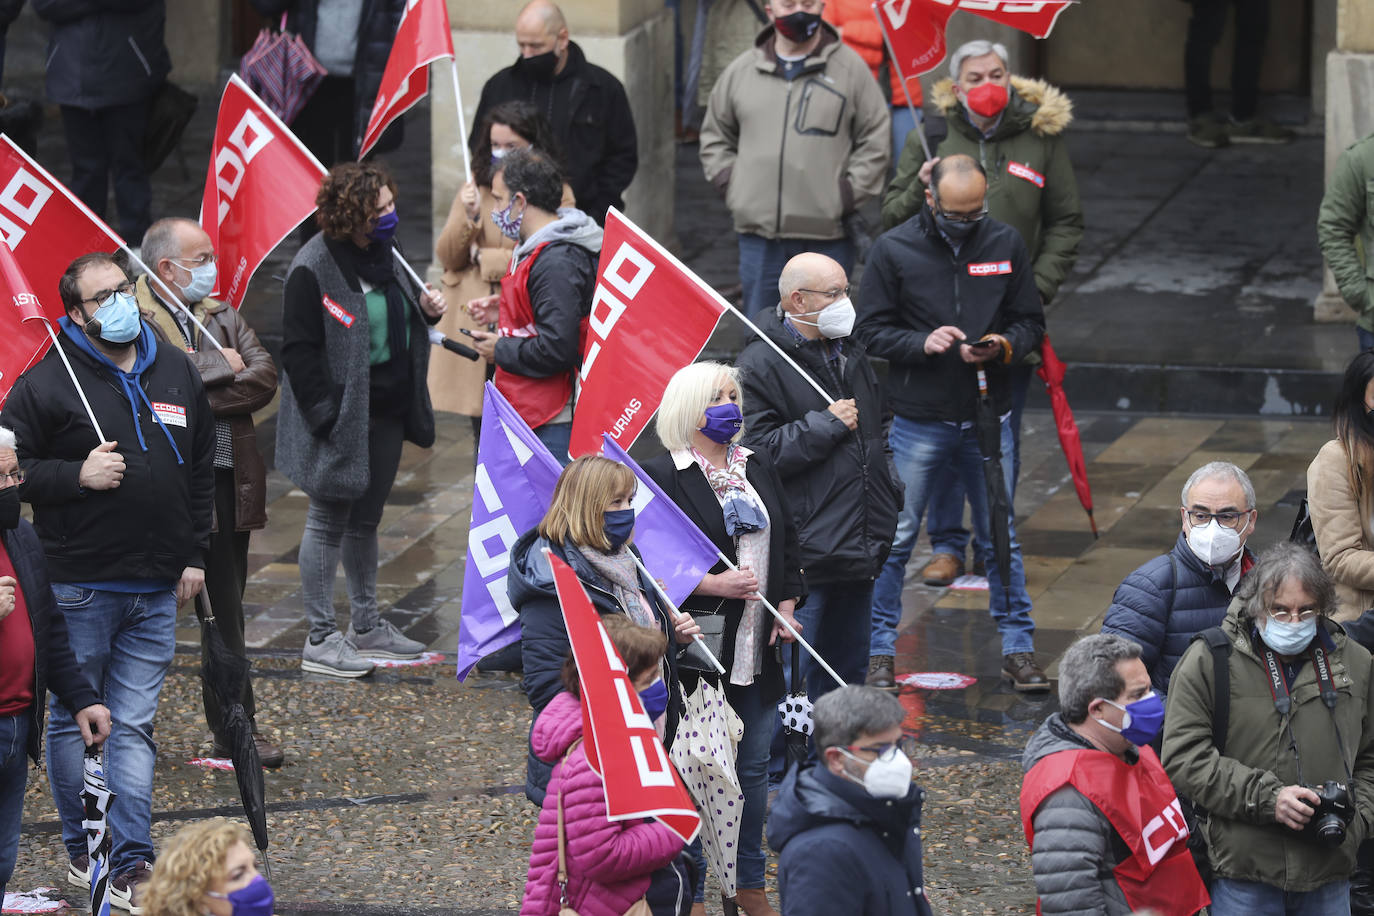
(1334, 811)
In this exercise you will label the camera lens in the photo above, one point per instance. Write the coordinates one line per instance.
(1330, 829)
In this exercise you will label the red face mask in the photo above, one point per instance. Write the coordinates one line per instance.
(987, 99)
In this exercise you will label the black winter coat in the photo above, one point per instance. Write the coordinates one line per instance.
(544, 637)
(843, 485)
(591, 119)
(157, 521)
(561, 284)
(53, 661)
(104, 54)
(376, 33)
(842, 851)
(915, 283)
(689, 489)
(1164, 604)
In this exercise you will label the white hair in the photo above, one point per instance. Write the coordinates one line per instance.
(7, 439)
(979, 47)
(1221, 469)
(690, 391)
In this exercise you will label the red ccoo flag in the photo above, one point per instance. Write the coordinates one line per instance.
(916, 28)
(23, 337)
(631, 352)
(422, 38)
(622, 746)
(261, 184)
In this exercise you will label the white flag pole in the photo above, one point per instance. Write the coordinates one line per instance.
(170, 297)
(677, 614)
(462, 128)
(81, 393)
(892, 56)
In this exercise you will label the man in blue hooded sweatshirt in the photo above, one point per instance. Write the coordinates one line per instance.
(124, 524)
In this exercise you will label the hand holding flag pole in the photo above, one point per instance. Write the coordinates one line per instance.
(677, 614)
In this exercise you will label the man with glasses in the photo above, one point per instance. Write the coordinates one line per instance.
(847, 827)
(239, 378)
(1104, 825)
(1281, 754)
(1165, 603)
(833, 457)
(948, 299)
(795, 139)
(124, 516)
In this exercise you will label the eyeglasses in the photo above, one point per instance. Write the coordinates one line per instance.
(201, 261)
(784, 6)
(16, 477)
(126, 288)
(1200, 518)
(974, 217)
(907, 744)
(827, 293)
(1301, 615)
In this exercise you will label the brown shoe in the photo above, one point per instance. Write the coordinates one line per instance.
(754, 902)
(1025, 675)
(269, 754)
(942, 569)
(880, 674)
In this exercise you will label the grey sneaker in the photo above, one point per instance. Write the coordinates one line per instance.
(335, 657)
(1208, 131)
(1260, 130)
(384, 641)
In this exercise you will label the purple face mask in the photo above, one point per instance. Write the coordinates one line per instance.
(722, 422)
(385, 229)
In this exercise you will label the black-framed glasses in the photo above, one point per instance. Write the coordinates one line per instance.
(907, 745)
(201, 261)
(832, 294)
(15, 477)
(125, 288)
(1200, 518)
(974, 217)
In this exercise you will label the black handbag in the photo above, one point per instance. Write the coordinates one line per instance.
(1302, 533)
(713, 635)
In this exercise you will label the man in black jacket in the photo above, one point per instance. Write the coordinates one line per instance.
(586, 105)
(125, 524)
(33, 653)
(832, 457)
(949, 296)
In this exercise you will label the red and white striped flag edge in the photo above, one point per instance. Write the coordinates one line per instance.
(422, 37)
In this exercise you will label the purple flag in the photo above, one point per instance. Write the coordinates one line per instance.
(674, 549)
(511, 492)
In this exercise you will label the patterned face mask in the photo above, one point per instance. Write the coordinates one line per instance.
(508, 224)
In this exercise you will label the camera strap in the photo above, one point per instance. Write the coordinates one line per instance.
(1283, 702)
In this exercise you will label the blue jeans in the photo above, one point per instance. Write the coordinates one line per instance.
(761, 261)
(922, 451)
(14, 776)
(1250, 898)
(902, 125)
(946, 520)
(1366, 339)
(557, 438)
(124, 644)
(835, 619)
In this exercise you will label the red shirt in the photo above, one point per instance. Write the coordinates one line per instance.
(16, 651)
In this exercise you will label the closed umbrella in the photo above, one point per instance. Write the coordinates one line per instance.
(282, 71)
(988, 426)
(704, 754)
(1051, 372)
(795, 709)
(97, 797)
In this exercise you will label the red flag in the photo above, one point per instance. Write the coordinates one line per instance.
(622, 746)
(916, 28)
(631, 350)
(422, 38)
(260, 185)
(23, 337)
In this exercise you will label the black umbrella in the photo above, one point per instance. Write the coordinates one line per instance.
(989, 429)
(225, 673)
(796, 714)
(97, 798)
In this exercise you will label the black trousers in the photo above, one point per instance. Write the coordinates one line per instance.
(225, 579)
(325, 123)
(1205, 29)
(106, 144)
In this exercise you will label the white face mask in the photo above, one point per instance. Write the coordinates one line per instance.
(1213, 544)
(884, 778)
(834, 321)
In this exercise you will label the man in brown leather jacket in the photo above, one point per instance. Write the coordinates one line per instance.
(239, 378)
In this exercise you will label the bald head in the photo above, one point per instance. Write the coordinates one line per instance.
(808, 283)
(541, 28)
(958, 184)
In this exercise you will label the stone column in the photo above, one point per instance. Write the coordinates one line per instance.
(1349, 114)
(633, 39)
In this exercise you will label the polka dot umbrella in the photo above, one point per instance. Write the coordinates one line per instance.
(704, 754)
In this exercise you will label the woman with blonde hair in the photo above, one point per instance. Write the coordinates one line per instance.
(736, 498)
(208, 868)
(589, 525)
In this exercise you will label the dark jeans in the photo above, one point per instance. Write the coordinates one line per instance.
(836, 620)
(226, 575)
(14, 775)
(325, 124)
(1366, 339)
(106, 144)
(1205, 29)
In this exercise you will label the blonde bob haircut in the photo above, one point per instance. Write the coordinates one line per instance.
(690, 391)
(192, 863)
(584, 490)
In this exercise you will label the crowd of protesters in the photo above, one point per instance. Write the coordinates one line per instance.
(1214, 744)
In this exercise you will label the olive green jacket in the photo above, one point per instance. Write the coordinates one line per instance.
(1345, 227)
(1031, 184)
(1240, 788)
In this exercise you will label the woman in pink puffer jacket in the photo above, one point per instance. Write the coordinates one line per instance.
(609, 862)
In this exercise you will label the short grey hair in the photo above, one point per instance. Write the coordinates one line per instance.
(1219, 469)
(7, 438)
(1088, 671)
(1285, 562)
(690, 391)
(842, 716)
(163, 240)
(979, 47)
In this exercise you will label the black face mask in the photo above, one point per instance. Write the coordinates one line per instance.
(955, 230)
(540, 67)
(9, 508)
(798, 26)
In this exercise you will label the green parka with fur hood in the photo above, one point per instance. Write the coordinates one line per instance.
(1031, 185)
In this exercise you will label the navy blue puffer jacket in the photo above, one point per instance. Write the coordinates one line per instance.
(1165, 603)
